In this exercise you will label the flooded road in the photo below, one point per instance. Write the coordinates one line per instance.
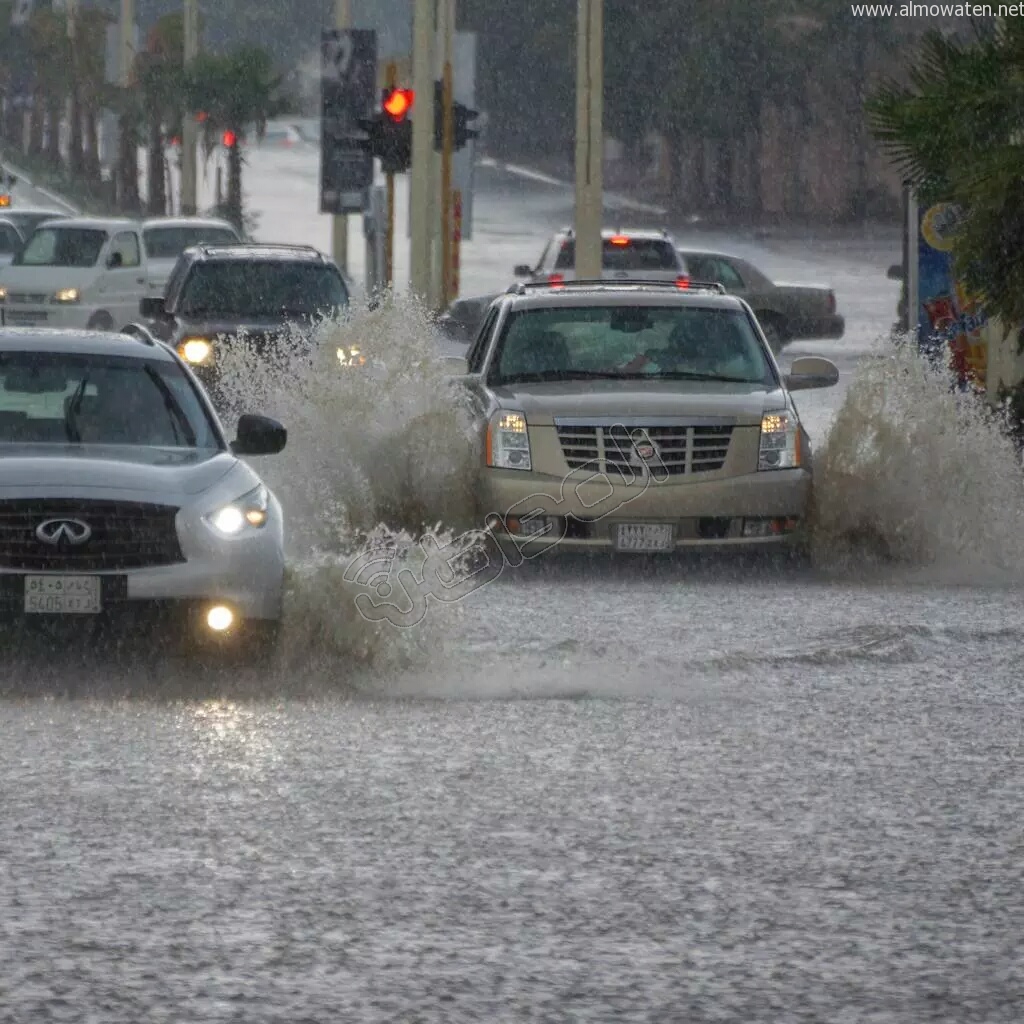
(678, 792)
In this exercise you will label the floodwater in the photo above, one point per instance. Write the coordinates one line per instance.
(676, 791)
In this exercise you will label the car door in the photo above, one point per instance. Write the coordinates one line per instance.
(124, 280)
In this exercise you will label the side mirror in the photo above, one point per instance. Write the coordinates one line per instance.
(523, 270)
(809, 372)
(895, 272)
(114, 260)
(152, 307)
(258, 435)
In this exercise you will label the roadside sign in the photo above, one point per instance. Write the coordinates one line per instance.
(348, 82)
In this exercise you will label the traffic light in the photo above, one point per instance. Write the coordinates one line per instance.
(389, 131)
(229, 139)
(461, 118)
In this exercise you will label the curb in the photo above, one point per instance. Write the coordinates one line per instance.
(59, 200)
(612, 199)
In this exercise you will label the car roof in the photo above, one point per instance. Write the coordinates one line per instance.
(640, 234)
(710, 252)
(186, 222)
(614, 293)
(70, 340)
(99, 223)
(251, 251)
(36, 210)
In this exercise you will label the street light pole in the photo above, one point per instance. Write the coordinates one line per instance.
(189, 204)
(447, 144)
(421, 199)
(339, 222)
(589, 138)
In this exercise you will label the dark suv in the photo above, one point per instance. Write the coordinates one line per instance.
(247, 290)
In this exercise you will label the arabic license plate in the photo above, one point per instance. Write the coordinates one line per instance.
(62, 595)
(644, 537)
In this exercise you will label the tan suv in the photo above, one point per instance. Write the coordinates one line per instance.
(636, 417)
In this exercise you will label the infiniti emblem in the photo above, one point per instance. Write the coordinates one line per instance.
(67, 531)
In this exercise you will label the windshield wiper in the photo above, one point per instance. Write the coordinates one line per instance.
(693, 375)
(556, 375)
(71, 414)
(178, 418)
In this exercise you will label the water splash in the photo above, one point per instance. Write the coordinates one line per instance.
(380, 447)
(917, 473)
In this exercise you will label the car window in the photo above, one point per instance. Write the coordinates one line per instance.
(168, 243)
(625, 254)
(58, 246)
(713, 268)
(126, 245)
(544, 255)
(631, 341)
(475, 358)
(10, 242)
(237, 288)
(56, 398)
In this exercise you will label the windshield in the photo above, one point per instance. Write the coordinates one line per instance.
(265, 288)
(648, 342)
(62, 247)
(56, 398)
(625, 254)
(170, 242)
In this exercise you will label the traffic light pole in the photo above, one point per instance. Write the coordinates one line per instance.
(447, 143)
(189, 147)
(420, 198)
(589, 138)
(339, 222)
(389, 238)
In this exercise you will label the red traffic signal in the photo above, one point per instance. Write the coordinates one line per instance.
(229, 139)
(397, 103)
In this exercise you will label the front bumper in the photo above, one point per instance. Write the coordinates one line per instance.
(755, 510)
(53, 314)
(813, 328)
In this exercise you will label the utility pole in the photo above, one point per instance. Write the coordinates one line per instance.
(421, 172)
(127, 41)
(447, 144)
(189, 160)
(589, 138)
(391, 81)
(339, 222)
(75, 111)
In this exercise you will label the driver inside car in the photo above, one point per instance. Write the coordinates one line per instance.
(716, 349)
(120, 415)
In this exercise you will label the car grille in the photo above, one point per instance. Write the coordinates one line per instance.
(683, 449)
(25, 317)
(27, 298)
(125, 535)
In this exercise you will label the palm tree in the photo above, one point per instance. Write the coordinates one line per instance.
(238, 93)
(956, 132)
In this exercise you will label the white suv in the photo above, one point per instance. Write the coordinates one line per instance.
(635, 255)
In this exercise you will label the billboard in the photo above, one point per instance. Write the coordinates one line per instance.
(949, 320)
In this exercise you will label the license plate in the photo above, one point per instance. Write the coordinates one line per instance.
(62, 595)
(644, 537)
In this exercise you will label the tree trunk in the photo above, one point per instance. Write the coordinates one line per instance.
(92, 143)
(156, 192)
(35, 132)
(128, 168)
(233, 206)
(76, 160)
(53, 113)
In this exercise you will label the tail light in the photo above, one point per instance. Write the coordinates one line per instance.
(682, 282)
(831, 302)
(556, 279)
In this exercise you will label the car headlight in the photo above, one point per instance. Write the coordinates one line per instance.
(67, 295)
(247, 513)
(780, 441)
(3, 294)
(196, 351)
(508, 441)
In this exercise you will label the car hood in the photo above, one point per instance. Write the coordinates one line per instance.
(63, 469)
(541, 403)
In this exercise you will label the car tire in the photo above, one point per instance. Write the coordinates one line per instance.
(773, 332)
(101, 321)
